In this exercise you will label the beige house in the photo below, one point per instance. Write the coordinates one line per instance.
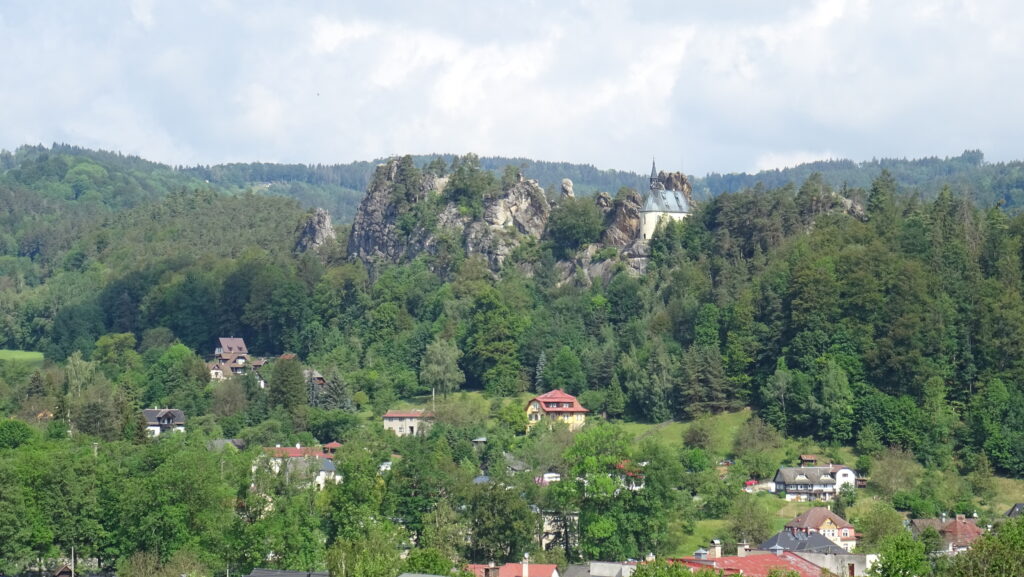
(826, 523)
(403, 423)
(556, 406)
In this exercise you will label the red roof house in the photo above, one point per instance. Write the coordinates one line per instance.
(556, 405)
(754, 565)
(514, 570)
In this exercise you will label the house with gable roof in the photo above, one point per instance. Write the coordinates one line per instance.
(824, 522)
(958, 533)
(160, 421)
(813, 483)
(556, 406)
(408, 423)
(750, 565)
(303, 464)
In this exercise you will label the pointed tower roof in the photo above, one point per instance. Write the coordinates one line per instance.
(654, 170)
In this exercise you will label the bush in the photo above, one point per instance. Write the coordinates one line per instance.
(14, 433)
(574, 223)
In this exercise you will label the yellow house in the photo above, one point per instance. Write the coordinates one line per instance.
(558, 406)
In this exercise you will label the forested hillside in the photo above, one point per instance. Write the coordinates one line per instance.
(895, 335)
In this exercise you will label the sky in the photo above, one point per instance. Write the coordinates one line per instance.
(700, 86)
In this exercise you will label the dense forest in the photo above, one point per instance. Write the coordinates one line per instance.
(883, 318)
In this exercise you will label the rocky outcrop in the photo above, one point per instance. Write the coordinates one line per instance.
(677, 181)
(623, 221)
(567, 188)
(375, 237)
(314, 232)
(390, 226)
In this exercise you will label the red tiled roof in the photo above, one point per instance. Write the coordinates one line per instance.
(558, 396)
(333, 445)
(516, 569)
(413, 414)
(756, 565)
(291, 452)
(961, 532)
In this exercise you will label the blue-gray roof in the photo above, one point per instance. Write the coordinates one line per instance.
(802, 542)
(280, 573)
(659, 200)
(327, 465)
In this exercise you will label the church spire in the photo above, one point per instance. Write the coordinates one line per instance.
(654, 171)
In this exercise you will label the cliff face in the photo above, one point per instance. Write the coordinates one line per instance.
(401, 218)
(623, 218)
(315, 231)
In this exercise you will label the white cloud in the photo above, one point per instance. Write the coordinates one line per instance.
(328, 35)
(142, 12)
(770, 160)
(611, 83)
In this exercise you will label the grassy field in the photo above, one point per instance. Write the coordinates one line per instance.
(725, 427)
(31, 357)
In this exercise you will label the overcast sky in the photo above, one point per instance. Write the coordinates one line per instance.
(737, 86)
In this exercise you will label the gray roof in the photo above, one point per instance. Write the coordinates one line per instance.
(659, 200)
(327, 465)
(802, 543)
(153, 416)
(577, 571)
(807, 475)
(280, 573)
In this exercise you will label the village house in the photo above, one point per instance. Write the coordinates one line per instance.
(556, 406)
(231, 357)
(523, 569)
(824, 522)
(749, 563)
(303, 463)
(813, 483)
(160, 421)
(408, 423)
(958, 533)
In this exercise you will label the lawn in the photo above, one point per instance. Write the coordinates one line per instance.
(724, 426)
(30, 357)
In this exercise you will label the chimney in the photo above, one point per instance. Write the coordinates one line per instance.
(298, 445)
(777, 550)
(715, 551)
(526, 565)
(701, 554)
(961, 517)
(742, 548)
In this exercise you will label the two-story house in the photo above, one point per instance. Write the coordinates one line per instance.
(163, 420)
(826, 523)
(556, 406)
(406, 423)
(303, 464)
(813, 483)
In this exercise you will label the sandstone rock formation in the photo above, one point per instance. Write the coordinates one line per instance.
(624, 221)
(386, 229)
(314, 232)
(567, 188)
